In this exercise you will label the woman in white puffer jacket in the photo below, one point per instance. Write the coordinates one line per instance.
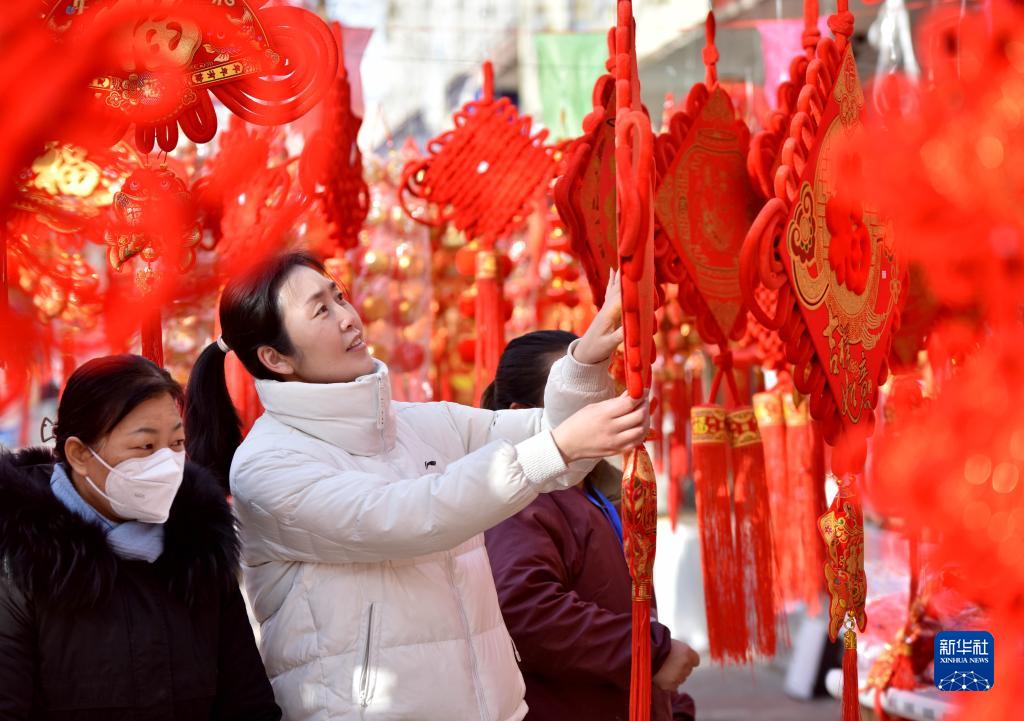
(361, 518)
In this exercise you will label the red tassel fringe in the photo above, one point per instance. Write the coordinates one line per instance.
(640, 669)
(755, 565)
(490, 319)
(806, 499)
(678, 458)
(851, 685)
(727, 634)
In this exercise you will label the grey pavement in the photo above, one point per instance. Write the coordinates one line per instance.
(752, 693)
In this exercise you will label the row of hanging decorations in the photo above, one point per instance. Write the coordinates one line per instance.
(761, 246)
(775, 261)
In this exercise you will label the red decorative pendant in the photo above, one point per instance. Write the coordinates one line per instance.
(154, 219)
(705, 202)
(483, 177)
(332, 164)
(268, 65)
(585, 191)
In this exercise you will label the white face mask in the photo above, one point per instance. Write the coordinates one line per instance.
(143, 489)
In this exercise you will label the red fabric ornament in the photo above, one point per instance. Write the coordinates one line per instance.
(268, 65)
(895, 665)
(802, 551)
(842, 529)
(755, 557)
(769, 350)
(772, 425)
(835, 311)
(332, 160)
(634, 184)
(154, 219)
(676, 393)
(585, 190)
(490, 142)
(639, 522)
(723, 588)
(953, 468)
(59, 198)
(249, 203)
(836, 332)
(701, 161)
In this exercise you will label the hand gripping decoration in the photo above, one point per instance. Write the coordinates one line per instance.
(484, 177)
(833, 264)
(268, 65)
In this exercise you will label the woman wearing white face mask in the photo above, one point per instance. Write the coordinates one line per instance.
(118, 560)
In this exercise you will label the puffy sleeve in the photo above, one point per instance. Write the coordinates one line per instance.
(305, 509)
(571, 386)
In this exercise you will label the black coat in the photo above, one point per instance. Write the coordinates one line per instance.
(88, 636)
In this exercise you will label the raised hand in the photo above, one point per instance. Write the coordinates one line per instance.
(605, 332)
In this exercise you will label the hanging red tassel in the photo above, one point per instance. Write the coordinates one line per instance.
(727, 637)
(490, 318)
(806, 472)
(842, 529)
(772, 425)
(639, 523)
(755, 564)
(851, 700)
(658, 392)
(678, 459)
(153, 337)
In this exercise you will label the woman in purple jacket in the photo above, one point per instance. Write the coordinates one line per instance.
(563, 583)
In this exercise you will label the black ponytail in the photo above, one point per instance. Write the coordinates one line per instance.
(249, 318)
(213, 430)
(487, 398)
(523, 369)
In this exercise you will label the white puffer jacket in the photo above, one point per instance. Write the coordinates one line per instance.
(361, 522)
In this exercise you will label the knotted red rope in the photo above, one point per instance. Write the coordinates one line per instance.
(836, 311)
(634, 168)
(331, 165)
(484, 178)
(766, 145)
(705, 204)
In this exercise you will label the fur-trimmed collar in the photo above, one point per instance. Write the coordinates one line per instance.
(60, 559)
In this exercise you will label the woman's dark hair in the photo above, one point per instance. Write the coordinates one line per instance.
(523, 369)
(101, 392)
(249, 318)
